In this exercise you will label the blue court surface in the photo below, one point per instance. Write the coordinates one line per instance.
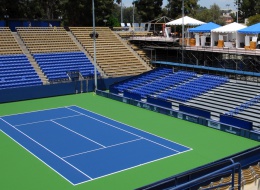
(81, 145)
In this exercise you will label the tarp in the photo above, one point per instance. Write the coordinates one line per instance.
(229, 28)
(254, 29)
(205, 27)
(187, 21)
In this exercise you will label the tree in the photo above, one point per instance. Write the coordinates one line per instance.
(148, 9)
(253, 20)
(175, 8)
(210, 15)
(79, 12)
(248, 8)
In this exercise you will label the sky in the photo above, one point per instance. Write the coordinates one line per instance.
(205, 3)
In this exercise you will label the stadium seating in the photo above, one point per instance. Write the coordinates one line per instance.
(17, 71)
(8, 43)
(193, 88)
(142, 79)
(56, 65)
(163, 84)
(46, 39)
(113, 56)
(244, 106)
(180, 86)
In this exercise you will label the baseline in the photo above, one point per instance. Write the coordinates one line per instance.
(59, 165)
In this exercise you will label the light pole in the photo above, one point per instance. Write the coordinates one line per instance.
(237, 4)
(121, 11)
(94, 36)
(133, 11)
(182, 35)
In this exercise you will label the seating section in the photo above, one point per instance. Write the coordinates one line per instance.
(46, 39)
(193, 88)
(230, 96)
(56, 65)
(146, 78)
(17, 71)
(8, 44)
(163, 84)
(244, 106)
(113, 56)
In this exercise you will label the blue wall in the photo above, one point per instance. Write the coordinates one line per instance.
(34, 92)
(25, 23)
(2, 23)
(194, 111)
(236, 122)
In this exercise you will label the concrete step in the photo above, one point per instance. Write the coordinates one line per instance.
(74, 39)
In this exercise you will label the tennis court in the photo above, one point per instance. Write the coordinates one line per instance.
(81, 145)
(21, 170)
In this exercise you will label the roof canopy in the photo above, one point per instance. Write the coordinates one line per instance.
(187, 21)
(229, 28)
(205, 27)
(254, 29)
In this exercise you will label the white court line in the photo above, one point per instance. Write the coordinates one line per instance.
(102, 148)
(124, 130)
(47, 149)
(47, 120)
(129, 126)
(78, 134)
(34, 111)
(91, 179)
(131, 167)
(40, 159)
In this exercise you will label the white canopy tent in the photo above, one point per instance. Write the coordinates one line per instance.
(187, 21)
(226, 33)
(244, 36)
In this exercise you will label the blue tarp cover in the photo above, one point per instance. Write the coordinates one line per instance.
(254, 29)
(205, 27)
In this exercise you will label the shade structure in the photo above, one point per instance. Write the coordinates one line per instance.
(187, 21)
(205, 28)
(254, 29)
(229, 28)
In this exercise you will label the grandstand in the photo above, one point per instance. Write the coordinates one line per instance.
(113, 56)
(208, 92)
(55, 52)
(15, 68)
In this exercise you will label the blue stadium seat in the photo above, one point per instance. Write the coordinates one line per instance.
(56, 65)
(17, 71)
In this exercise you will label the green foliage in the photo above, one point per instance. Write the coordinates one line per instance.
(210, 15)
(113, 21)
(175, 8)
(248, 8)
(149, 9)
(253, 20)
